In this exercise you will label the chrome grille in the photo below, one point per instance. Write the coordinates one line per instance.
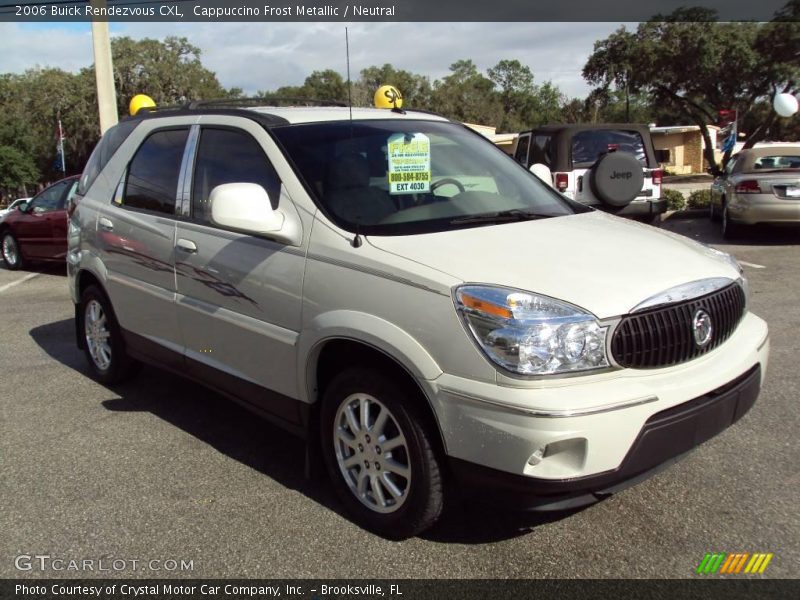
(664, 336)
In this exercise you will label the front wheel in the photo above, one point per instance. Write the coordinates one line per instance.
(380, 454)
(102, 338)
(12, 256)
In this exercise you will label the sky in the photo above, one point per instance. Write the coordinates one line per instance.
(264, 56)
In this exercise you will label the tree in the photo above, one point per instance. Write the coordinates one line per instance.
(170, 72)
(697, 67)
(325, 85)
(416, 89)
(17, 170)
(467, 96)
(514, 82)
(32, 102)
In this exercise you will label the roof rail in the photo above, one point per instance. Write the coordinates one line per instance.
(260, 101)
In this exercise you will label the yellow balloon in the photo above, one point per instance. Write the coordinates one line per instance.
(138, 102)
(388, 96)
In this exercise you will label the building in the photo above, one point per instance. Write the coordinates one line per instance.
(684, 144)
(504, 141)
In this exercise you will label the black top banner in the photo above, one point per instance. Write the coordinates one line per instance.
(276, 11)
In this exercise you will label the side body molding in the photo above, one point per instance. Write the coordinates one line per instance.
(365, 328)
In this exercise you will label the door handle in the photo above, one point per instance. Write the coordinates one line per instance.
(105, 224)
(187, 246)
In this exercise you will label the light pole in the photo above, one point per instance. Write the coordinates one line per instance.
(103, 71)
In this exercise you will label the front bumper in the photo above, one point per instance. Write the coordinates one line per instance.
(644, 207)
(548, 431)
(665, 437)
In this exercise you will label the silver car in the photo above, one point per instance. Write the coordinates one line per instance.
(759, 185)
(424, 311)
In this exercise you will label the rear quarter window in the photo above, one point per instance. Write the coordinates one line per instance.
(588, 146)
(102, 153)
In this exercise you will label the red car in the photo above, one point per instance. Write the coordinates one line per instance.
(37, 231)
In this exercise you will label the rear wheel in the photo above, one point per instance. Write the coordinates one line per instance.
(102, 338)
(380, 454)
(730, 230)
(713, 215)
(12, 256)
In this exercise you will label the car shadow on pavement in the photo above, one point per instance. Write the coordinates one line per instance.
(256, 443)
(56, 268)
(470, 522)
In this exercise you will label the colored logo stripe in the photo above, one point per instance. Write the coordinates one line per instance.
(721, 562)
(758, 563)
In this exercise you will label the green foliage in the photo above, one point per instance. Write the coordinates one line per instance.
(170, 72)
(695, 67)
(506, 97)
(416, 89)
(467, 96)
(699, 199)
(16, 169)
(675, 200)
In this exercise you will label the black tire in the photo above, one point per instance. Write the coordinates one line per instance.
(422, 501)
(119, 365)
(730, 230)
(713, 215)
(12, 260)
(653, 220)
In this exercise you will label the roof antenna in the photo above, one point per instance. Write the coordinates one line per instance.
(349, 83)
(356, 240)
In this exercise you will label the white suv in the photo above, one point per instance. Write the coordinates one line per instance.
(419, 307)
(610, 166)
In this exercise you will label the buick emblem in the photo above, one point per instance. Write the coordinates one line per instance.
(702, 328)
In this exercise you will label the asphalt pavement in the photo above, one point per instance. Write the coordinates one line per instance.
(162, 469)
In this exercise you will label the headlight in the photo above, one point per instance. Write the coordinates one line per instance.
(735, 264)
(529, 334)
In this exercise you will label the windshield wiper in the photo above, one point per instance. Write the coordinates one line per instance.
(502, 216)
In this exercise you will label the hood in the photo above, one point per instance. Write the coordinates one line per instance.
(604, 264)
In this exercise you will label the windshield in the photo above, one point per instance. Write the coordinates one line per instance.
(396, 177)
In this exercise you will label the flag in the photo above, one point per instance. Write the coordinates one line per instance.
(59, 164)
(729, 143)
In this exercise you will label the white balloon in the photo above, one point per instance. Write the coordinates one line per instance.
(785, 105)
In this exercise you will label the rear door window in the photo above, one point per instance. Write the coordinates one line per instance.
(540, 151)
(589, 146)
(152, 182)
(521, 155)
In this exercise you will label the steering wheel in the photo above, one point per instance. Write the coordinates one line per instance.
(446, 181)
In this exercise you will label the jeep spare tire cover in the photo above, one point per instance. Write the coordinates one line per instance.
(617, 178)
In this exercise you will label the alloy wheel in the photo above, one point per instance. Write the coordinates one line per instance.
(10, 250)
(95, 326)
(372, 453)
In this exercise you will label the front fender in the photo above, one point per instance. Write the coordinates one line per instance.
(373, 331)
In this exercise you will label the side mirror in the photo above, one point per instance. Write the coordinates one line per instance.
(246, 207)
(24, 207)
(542, 172)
